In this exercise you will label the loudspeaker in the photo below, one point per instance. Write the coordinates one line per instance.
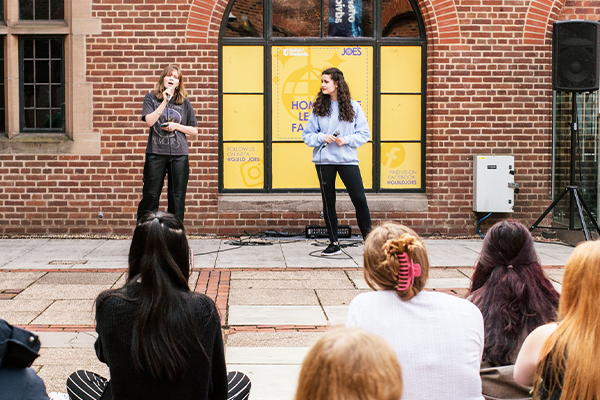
(575, 56)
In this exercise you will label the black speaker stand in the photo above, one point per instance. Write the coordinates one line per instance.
(576, 199)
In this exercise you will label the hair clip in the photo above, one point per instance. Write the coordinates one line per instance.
(407, 272)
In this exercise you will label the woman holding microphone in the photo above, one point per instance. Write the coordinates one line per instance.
(336, 128)
(170, 116)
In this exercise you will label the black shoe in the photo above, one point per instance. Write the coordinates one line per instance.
(331, 250)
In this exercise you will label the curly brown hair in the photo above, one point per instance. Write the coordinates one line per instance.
(322, 103)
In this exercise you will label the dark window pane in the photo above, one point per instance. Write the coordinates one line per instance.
(28, 48)
(398, 19)
(29, 119)
(57, 9)
(56, 48)
(293, 18)
(55, 70)
(42, 118)
(42, 9)
(2, 106)
(2, 19)
(2, 122)
(348, 18)
(42, 71)
(56, 119)
(55, 95)
(28, 71)
(29, 96)
(245, 19)
(42, 96)
(42, 49)
(25, 9)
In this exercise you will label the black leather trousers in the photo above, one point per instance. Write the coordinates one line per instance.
(177, 168)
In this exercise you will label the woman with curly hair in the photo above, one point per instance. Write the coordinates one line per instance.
(560, 359)
(515, 297)
(437, 337)
(336, 128)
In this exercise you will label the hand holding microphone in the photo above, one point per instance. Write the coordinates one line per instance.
(168, 93)
(331, 137)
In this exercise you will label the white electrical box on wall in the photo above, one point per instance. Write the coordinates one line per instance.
(494, 184)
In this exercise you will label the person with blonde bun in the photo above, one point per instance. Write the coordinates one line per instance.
(350, 364)
(560, 359)
(438, 338)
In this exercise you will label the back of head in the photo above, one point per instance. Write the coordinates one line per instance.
(511, 290)
(572, 349)
(350, 364)
(159, 251)
(386, 249)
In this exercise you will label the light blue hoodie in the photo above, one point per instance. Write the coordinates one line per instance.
(356, 134)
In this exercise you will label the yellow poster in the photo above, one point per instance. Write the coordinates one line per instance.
(296, 75)
(400, 166)
(243, 166)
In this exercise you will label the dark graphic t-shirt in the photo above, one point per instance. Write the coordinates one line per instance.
(164, 142)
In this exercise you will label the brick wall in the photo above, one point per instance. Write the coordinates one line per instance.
(489, 92)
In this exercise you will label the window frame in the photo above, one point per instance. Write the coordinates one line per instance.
(22, 127)
(375, 41)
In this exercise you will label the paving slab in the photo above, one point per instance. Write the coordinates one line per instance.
(266, 355)
(67, 312)
(252, 257)
(288, 275)
(63, 340)
(448, 253)
(18, 280)
(292, 284)
(15, 248)
(276, 315)
(448, 283)
(205, 251)
(555, 274)
(62, 292)
(337, 297)
(273, 297)
(80, 278)
(336, 315)
(270, 338)
(270, 382)
(305, 255)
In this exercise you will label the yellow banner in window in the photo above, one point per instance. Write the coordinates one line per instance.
(400, 165)
(243, 166)
(296, 76)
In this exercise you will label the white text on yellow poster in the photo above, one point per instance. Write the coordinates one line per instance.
(297, 80)
(243, 166)
(400, 166)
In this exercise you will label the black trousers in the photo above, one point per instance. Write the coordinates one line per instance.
(350, 175)
(156, 167)
(86, 385)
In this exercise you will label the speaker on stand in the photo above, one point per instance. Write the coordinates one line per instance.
(575, 63)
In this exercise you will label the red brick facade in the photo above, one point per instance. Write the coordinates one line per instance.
(489, 92)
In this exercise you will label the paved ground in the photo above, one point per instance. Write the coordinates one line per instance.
(275, 298)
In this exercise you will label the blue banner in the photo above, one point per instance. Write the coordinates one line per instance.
(345, 18)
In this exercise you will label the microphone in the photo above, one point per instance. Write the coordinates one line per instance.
(168, 97)
(336, 134)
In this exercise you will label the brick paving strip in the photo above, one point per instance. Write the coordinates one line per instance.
(215, 283)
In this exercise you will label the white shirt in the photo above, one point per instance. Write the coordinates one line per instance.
(438, 339)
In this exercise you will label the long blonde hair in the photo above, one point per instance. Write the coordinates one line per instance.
(572, 349)
(381, 266)
(350, 364)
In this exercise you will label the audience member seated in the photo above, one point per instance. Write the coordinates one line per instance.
(18, 349)
(438, 338)
(350, 364)
(560, 359)
(159, 339)
(515, 297)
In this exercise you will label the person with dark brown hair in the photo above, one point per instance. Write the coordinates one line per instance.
(337, 126)
(514, 295)
(170, 117)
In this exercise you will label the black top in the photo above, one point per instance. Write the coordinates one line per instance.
(115, 316)
(164, 142)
